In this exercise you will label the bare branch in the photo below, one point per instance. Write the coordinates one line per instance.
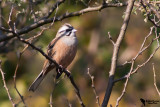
(110, 38)
(116, 52)
(125, 85)
(5, 30)
(144, 41)
(94, 89)
(15, 74)
(10, 15)
(75, 87)
(10, 23)
(155, 80)
(125, 63)
(51, 95)
(157, 36)
(150, 57)
(59, 2)
(120, 79)
(5, 86)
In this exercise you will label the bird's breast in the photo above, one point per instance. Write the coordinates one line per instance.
(69, 41)
(66, 50)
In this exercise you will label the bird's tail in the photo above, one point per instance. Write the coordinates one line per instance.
(37, 81)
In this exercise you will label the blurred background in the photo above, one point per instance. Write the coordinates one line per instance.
(94, 52)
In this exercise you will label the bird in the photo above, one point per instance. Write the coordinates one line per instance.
(62, 49)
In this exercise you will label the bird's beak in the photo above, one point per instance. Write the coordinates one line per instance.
(74, 30)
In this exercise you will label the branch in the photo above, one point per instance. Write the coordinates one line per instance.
(75, 87)
(94, 89)
(59, 2)
(5, 30)
(5, 86)
(51, 95)
(116, 52)
(143, 64)
(155, 80)
(60, 18)
(125, 85)
(110, 38)
(15, 74)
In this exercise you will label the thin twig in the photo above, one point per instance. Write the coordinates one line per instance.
(5, 30)
(15, 74)
(10, 15)
(110, 38)
(143, 64)
(155, 80)
(5, 86)
(75, 87)
(125, 63)
(51, 95)
(94, 89)
(59, 2)
(125, 85)
(157, 36)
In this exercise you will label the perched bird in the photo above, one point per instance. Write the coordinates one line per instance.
(62, 49)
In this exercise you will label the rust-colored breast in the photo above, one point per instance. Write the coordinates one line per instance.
(64, 54)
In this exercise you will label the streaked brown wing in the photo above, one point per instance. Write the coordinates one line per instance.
(50, 46)
(50, 50)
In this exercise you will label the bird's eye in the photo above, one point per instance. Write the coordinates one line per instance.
(68, 33)
(67, 30)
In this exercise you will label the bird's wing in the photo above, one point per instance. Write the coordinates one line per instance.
(50, 48)
(51, 52)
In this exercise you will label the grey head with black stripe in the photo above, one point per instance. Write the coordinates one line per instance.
(66, 30)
